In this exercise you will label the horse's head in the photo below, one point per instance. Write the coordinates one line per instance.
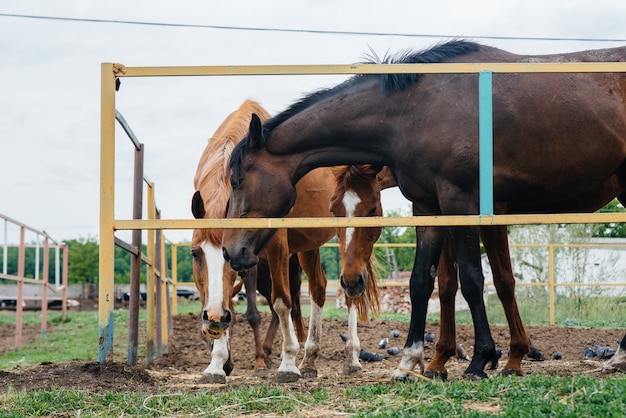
(261, 187)
(357, 194)
(214, 281)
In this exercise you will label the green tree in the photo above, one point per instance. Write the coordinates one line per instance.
(83, 260)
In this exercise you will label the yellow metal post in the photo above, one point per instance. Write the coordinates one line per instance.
(107, 213)
(164, 302)
(174, 279)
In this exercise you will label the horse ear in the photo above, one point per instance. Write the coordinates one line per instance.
(256, 129)
(197, 205)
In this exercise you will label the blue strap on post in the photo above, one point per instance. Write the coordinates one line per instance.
(485, 133)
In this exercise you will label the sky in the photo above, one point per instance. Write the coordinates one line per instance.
(50, 89)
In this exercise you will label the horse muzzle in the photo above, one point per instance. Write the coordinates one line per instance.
(354, 286)
(215, 329)
(241, 259)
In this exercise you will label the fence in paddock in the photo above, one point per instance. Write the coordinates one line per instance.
(42, 244)
(110, 73)
(159, 305)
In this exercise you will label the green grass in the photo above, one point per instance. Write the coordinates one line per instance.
(532, 396)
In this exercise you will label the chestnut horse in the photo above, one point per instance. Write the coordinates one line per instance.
(357, 194)
(425, 128)
(216, 279)
(370, 183)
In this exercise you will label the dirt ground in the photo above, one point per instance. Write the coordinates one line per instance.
(181, 368)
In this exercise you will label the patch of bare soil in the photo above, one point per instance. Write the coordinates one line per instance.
(181, 368)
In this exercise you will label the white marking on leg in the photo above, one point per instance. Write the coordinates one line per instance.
(353, 345)
(312, 345)
(410, 357)
(290, 341)
(219, 356)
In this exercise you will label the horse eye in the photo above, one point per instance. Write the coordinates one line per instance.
(194, 253)
(235, 183)
(372, 211)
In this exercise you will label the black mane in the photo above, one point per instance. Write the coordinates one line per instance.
(389, 83)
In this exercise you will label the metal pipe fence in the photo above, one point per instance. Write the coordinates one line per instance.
(110, 72)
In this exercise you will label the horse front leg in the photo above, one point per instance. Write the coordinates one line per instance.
(448, 286)
(467, 249)
(265, 288)
(216, 315)
(495, 240)
(352, 366)
(278, 258)
(312, 266)
(421, 285)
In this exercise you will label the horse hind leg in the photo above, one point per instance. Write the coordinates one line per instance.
(448, 286)
(495, 240)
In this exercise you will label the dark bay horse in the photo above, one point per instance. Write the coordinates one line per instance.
(215, 279)
(556, 137)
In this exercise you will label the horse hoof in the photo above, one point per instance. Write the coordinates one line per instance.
(436, 374)
(286, 377)
(213, 379)
(475, 376)
(228, 367)
(350, 370)
(262, 372)
(512, 372)
(308, 372)
(409, 378)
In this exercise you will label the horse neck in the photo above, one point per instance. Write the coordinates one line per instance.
(326, 136)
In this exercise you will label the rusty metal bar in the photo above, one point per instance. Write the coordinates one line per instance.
(150, 320)
(21, 260)
(44, 287)
(135, 261)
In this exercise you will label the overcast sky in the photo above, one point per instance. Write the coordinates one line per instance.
(50, 81)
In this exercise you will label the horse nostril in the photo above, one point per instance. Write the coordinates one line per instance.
(360, 281)
(205, 315)
(225, 254)
(226, 318)
(342, 282)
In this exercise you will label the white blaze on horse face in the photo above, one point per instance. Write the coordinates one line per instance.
(350, 202)
(215, 267)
